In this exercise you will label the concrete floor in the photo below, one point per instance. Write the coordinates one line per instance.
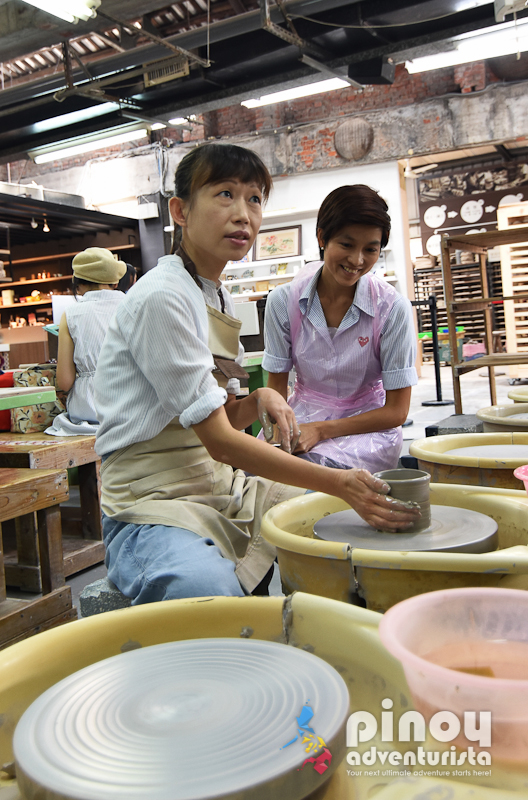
(475, 395)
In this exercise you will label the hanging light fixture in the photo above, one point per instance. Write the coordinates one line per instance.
(33, 223)
(306, 90)
(68, 10)
(46, 227)
(510, 38)
(86, 144)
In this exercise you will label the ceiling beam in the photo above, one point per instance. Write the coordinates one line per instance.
(26, 29)
(505, 153)
(237, 6)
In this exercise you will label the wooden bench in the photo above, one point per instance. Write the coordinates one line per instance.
(82, 532)
(37, 492)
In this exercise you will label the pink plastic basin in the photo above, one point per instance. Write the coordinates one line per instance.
(435, 635)
(521, 473)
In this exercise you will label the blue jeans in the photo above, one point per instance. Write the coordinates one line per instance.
(157, 562)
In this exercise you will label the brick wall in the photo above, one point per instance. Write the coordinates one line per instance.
(406, 90)
(411, 105)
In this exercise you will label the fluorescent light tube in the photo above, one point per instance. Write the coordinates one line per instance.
(68, 10)
(500, 40)
(40, 157)
(72, 117)
(299, 91)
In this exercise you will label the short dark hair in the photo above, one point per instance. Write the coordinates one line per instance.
(212, 163)
(128, 279)
(353, 205)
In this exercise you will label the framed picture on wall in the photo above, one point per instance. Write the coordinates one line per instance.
(278, 242)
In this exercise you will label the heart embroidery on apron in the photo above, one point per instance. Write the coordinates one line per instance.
(363, 340)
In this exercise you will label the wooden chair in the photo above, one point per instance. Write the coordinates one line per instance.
(36, 492)
(82, 533)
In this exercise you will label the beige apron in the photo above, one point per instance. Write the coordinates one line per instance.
(172, 480)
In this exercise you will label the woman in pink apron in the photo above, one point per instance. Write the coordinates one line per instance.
(181, 518)
(350, 337)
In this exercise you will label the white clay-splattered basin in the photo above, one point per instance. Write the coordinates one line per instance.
(383, 578)
(480, 459)
(342, 635)
(519, 394)
(504, 419)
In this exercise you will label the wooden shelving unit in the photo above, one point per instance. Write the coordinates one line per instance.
(56, 283)
(479, 244)
(466, 285)
(261, 274)
(514, 261)
(57, 256)
(29, 250)
(33, 282)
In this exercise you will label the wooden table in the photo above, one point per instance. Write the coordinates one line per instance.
(22, 396)
(82, 534)
(36, 492)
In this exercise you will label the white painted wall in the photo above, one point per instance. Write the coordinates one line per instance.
(110, 184)
(295, 200)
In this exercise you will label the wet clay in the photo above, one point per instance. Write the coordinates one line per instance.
(410, 486)
(452, 530)
(439, 529)
(500, 452)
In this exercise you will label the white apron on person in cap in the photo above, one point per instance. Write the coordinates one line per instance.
(172, 480)
(338, 374)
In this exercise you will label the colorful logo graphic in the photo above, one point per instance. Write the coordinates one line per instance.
(320, 757)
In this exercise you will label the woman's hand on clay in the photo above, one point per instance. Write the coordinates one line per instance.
(368, 496)
(273, 409)
(309, 437)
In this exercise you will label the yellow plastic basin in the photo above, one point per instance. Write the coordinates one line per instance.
(383, 578)
(500, 419)
(519, 395)
(342, 635)
(493, 472)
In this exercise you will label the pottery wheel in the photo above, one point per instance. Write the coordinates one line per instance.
(452, 530)
(500, 452)
(202, 718)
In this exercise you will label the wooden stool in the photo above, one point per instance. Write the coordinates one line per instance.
(497, 340)
(36, 492)
(82, 536)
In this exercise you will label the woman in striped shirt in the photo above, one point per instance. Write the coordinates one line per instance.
(350, 336)
(82, 331)
(181, 518)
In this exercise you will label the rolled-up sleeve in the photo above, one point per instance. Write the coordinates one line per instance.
(277, 340)
(398, 347)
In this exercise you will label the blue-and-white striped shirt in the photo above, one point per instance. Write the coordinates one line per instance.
(397, 340)
(155, 363)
